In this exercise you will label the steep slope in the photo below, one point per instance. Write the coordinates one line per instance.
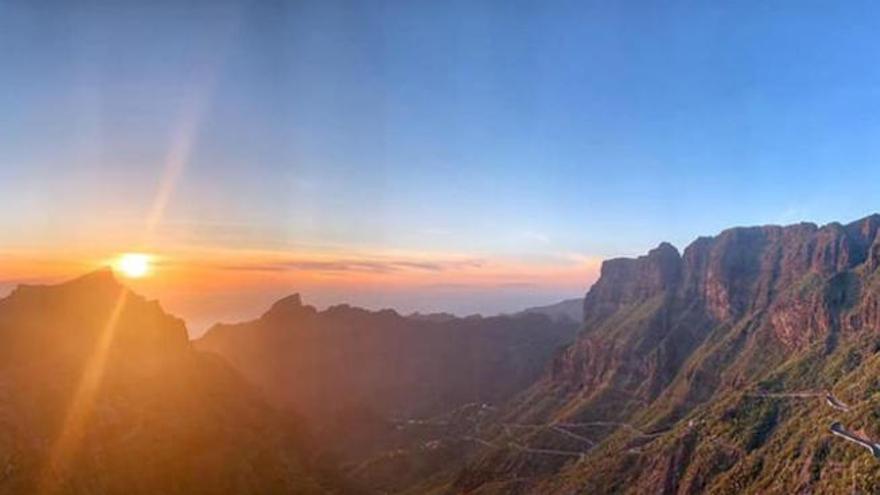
(706, 372)
(347, 368)
(100, 392)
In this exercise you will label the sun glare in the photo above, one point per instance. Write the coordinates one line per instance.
(134, 265)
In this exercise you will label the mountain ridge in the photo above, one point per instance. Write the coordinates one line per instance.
(406, 367)
(720, 368)
(671, 341)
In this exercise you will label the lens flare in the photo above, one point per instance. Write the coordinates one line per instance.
(134, 265)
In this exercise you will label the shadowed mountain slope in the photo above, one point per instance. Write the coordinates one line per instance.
(346, 366)
(101, 392)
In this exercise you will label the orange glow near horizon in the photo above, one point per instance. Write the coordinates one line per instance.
(205, 285)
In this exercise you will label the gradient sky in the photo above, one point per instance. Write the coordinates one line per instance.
(464, 156)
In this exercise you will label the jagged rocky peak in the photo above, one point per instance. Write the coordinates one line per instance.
(664, 262)
(103, 276)
(290, 302)
(657, 270)
(287, 307)
(629, 280)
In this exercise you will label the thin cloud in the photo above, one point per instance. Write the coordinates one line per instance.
(359, 266)
(481, 286)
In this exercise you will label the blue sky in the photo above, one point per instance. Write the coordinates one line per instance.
(518, 129)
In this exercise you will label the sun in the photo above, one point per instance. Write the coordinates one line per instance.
(134, 265)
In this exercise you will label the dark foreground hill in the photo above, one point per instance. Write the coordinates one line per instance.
(101, 392)
(719, 370)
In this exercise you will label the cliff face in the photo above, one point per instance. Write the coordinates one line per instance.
(669, 338)
(801, 283)
(631, 281)
(744, 270)
(639, 326)
(101, 392)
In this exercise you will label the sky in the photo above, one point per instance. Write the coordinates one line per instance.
(436, 156)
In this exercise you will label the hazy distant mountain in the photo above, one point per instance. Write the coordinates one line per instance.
(570, 309)
(101, 392)
(437, 317)
(707, 372)
(347, 362)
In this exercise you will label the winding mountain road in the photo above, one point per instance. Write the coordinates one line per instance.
(838, 429)
(571, 434)
(836, 404)
(523, 448)
(830, 399)
(564, 428)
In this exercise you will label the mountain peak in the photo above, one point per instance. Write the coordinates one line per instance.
(292, 301)
(664, 247)
(286, 306)
(665, 254)
(101, 280)
(103, 276)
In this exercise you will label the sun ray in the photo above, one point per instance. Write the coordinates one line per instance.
(178, 156)
(82, 403)
(187, 131)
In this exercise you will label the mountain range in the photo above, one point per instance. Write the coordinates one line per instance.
(355, 373)
(747, 363)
